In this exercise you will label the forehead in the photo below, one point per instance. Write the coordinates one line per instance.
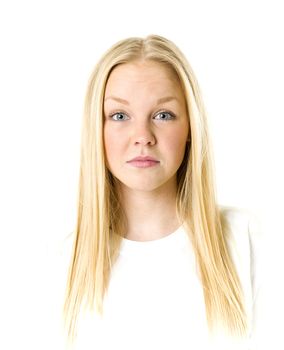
(141, 74)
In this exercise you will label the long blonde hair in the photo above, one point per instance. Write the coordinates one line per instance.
(95, 248)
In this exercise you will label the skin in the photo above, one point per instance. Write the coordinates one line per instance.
(148, 194)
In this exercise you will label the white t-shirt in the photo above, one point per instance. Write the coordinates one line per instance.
(155, 298)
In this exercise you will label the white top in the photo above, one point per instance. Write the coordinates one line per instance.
(155, 298)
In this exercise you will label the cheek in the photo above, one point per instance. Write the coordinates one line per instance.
(112, 144)
(176, 139)
(108, 142)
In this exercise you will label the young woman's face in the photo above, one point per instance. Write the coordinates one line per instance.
(138, 124)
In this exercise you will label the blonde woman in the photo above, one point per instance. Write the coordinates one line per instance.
(155, 262)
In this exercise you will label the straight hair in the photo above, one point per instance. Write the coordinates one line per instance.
(100, 214)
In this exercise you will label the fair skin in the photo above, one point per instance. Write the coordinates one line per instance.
(137, 125)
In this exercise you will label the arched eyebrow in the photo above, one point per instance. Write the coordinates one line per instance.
(159, 101)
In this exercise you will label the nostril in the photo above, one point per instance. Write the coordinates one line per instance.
(145, 140)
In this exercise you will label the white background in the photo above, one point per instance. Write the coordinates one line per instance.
(48, 50)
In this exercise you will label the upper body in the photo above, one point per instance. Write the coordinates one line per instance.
(155, 298)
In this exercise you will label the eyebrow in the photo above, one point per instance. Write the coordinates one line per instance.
(160, 100)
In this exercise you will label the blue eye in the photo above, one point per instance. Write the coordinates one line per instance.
(166, 114)
(119, 114)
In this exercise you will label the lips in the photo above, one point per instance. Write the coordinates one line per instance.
(144, 162)
(143, 159)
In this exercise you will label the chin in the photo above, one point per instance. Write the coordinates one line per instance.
(146, 186)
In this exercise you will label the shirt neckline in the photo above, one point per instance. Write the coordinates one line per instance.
(166, 243)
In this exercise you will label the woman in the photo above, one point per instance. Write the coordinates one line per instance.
(156, 263)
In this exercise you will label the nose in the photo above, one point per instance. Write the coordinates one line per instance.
(143, 135)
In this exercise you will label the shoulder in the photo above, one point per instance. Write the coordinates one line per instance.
(235, 228)
(244, 237)
(243, 225)
(237, 215)
(63, 255)
(66, 244)
(243, 232)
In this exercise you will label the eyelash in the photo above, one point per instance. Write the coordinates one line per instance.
(160, 112)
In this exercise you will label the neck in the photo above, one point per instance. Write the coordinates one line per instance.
(150, 214)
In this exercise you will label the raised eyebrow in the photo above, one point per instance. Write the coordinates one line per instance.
(159, 101)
